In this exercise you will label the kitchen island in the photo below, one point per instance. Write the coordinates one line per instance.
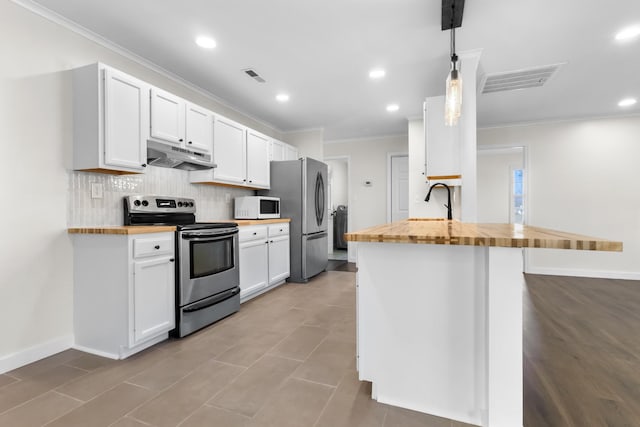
(439, 311)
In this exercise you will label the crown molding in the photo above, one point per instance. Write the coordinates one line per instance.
(56, 18)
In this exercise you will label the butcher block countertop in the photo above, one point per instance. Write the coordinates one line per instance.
(122, 229)
(446, 232)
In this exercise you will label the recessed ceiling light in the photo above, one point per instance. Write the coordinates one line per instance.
(377, 73)
(627, 102)
(282, 97)
(392, 107)
(205, 42)
(628, 33)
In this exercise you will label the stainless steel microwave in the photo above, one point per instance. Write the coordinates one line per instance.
(257, 207)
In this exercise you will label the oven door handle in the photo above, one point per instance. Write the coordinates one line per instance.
(208, 236)
(208, 302)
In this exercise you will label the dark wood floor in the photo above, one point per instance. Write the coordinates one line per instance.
(582, 352)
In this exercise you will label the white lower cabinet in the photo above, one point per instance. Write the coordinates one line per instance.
(278, 253)
(124, 292)
(254, 260)
(264, 258)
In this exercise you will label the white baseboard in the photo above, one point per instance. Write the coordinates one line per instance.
(600, 274)
(32, 354)
(96, 352)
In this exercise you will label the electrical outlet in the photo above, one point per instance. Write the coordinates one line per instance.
(97, 190)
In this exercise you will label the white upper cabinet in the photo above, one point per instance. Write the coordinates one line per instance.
(282, 151)
(229, 152)
(111, 120)
(257, 160)
(276, 150)
(442, 144)
(241, 155)
(199, 128)
(290, 152)
(167, 117)
(178, 122)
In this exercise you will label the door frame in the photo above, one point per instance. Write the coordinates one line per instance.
(526, 257)
(390, 156)
(349, 204)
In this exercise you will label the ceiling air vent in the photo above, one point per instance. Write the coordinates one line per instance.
(519, 79)
(254, 75)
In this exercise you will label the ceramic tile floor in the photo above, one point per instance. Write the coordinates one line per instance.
(286, 359)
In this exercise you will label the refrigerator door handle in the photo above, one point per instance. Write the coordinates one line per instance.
(316, 236)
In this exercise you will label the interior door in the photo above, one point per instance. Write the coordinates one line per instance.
(315, 186)
(399, 188)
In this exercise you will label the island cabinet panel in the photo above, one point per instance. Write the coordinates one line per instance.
(439, 314)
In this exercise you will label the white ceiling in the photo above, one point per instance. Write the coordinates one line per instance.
(320, 52)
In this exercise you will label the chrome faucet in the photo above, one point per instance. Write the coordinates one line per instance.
(448, 205)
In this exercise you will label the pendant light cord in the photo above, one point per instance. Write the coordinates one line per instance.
(452, 44)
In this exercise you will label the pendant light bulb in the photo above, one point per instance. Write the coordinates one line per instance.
(453, 97)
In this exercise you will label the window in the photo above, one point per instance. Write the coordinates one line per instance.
(517, 196)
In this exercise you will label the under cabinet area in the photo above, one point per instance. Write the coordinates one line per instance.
(264, 258)
(110, 120)
(124, 292)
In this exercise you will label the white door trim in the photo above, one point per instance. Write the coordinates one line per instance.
(389, 184)
(528, 200)
(350, 250)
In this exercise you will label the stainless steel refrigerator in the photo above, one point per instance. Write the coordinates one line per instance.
(301, 186)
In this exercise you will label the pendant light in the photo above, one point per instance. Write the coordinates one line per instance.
(453, 94)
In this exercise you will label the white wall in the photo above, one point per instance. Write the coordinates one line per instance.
(36, 304)
(583, 178)
(309, 142)
(494, 183)
(368, 161)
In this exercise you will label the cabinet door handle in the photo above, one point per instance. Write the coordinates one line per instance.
(172, 259)
(190, 142)
(144, 165)
(180, 140)
(255, 233)
(271, 241)
(157, 246)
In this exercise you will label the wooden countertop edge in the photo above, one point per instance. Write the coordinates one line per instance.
(122, 229)
(457, 233)
(145, 229)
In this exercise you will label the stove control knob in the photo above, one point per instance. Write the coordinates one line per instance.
(179, 204)
(137, 203)
(191, 204)
(145, 203)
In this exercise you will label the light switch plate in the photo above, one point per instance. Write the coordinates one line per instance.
(97, 190)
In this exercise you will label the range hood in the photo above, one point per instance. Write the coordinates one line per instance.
(167, 156)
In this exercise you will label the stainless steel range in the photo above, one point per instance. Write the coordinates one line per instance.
(207, 273)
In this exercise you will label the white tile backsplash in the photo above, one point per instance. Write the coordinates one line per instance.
(82, 210)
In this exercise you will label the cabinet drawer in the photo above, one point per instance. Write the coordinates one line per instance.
(152, 246)
(278, 229)
(252, 233)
